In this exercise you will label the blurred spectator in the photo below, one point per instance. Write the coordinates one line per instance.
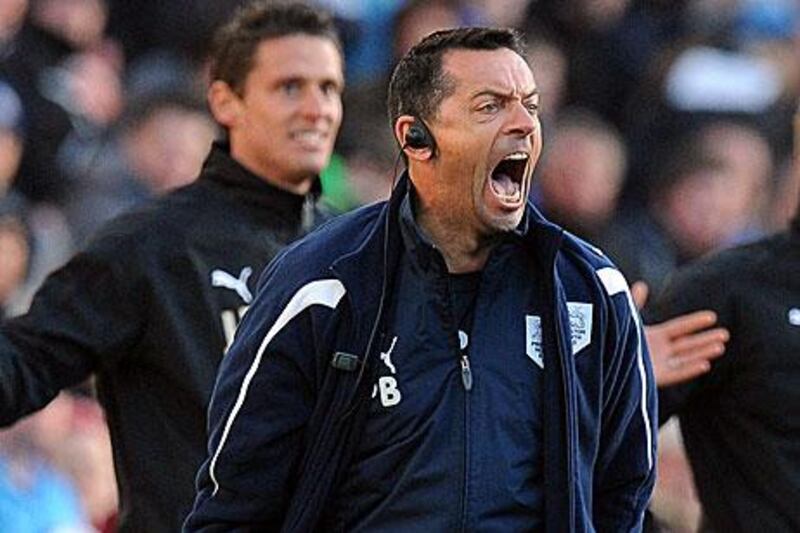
(501, 13)
(598, 75)
(15, 252)
(550, 61)
(12, 13)
(183, 27)
(747, 156)
(159, 146)
(715, 66)
(75, 436)
(703, 200)
(55, 29)
(368, 171)
(48, 241)
(784, 199)
(92, 87)
(419, 18)
(581, 174)
(366, 29)
(34, 495)
(11, 136)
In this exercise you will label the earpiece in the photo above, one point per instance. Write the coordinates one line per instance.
(418, 136)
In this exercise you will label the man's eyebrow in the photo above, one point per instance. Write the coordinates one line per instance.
(500, 93)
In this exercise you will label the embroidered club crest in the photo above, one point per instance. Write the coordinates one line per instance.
(580, 325)
(533, 339)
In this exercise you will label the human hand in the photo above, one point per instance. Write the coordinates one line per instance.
(683, 347)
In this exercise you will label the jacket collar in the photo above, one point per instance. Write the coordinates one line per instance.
(371, 251)
(248, 188)
(542, 238)
(416, 243)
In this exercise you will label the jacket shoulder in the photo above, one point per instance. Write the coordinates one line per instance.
(159, 225)
(752, 258)
(312, 256)
(715, 281)
(589, 261)
(586, 251)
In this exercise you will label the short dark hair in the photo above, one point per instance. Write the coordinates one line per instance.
(419, 84)
(236, 42)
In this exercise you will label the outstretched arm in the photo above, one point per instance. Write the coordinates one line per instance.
(84, 313)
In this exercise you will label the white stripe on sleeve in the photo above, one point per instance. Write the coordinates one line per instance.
(326, 292)
(614, 282)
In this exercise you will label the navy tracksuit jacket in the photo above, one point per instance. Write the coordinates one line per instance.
(324, 418)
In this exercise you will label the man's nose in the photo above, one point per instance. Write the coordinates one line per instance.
(521, 122)
(316, 103)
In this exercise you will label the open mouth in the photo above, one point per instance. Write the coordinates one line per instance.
(507, 176)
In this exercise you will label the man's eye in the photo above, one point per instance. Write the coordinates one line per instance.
(291, 87)
(330, 89)
(489, 107)
(532, 107)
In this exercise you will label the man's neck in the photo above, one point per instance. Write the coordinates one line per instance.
(463, 250)
(299, 187)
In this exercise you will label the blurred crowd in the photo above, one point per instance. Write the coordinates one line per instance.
(667, 133)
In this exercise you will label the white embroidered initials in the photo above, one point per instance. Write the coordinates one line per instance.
(390, 394)
(387, 385)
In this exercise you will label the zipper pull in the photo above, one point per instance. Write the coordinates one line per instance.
(466, 373)
(307, 217)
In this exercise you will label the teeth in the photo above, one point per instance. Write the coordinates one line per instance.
(308, 135)
(516, 156)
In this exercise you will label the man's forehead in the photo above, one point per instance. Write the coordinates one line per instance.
(273, 43)
(501, 69)
(299, 50)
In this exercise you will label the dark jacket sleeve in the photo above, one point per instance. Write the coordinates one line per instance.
(625, 468)
(86, 314)
(263, 398)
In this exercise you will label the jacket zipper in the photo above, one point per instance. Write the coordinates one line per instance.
(466, 380)
(466, 373)
(307, 214)
(568, 418)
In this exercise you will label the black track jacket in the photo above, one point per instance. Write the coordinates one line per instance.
(148, 308)
(741, 421)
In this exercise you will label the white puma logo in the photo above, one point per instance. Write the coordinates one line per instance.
(220, 278)
(386, 356)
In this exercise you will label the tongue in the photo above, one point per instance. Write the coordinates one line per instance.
(503, 185)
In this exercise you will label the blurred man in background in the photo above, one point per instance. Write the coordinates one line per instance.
(582, 174)
(705, 198)
(740, 420)
(152, 302)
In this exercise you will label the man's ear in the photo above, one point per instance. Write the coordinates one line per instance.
(224, 103)
(401, 132)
